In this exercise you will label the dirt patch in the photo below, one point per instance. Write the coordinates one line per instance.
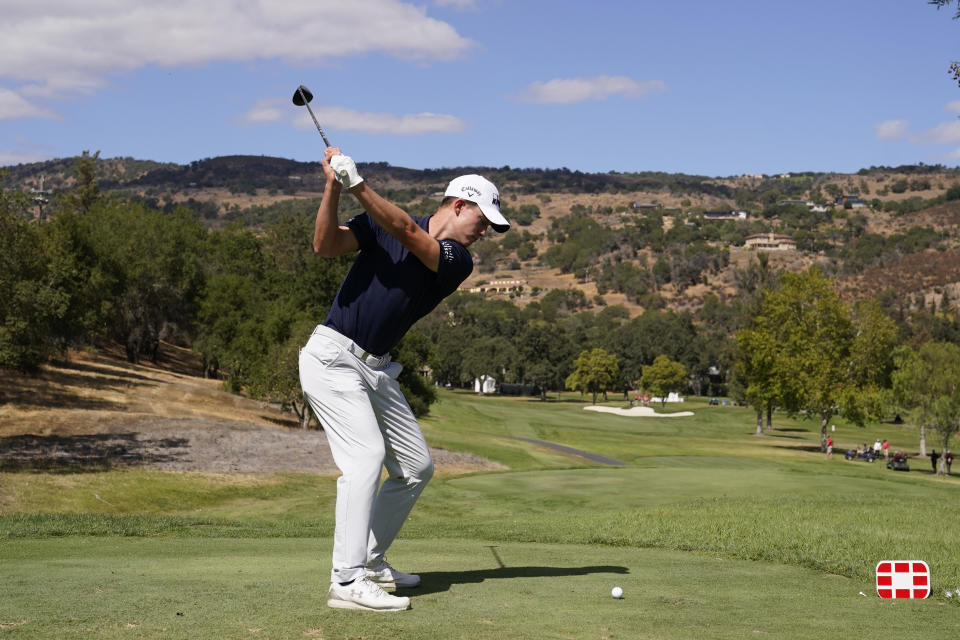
(197, 444)
(95, 412)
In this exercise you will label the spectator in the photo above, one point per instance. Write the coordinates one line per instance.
(934, 456)
(948, 460)
(886, 449)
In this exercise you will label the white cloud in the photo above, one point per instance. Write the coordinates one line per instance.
(459, 4)
(891, 129)
(10, 158)
(946, 133)
(333, 118)
(268, 110)
(381, 123)
(13, 106)
(569, 90)
(52, 46)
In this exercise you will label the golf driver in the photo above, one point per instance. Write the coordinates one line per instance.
(302, 98)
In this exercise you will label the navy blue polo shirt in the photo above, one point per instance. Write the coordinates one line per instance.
(388, 289)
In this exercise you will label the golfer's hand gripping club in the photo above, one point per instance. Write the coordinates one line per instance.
(346, 170)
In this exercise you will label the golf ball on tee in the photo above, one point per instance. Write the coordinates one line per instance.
(616, 592)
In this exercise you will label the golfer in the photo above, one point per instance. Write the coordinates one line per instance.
(404, 267)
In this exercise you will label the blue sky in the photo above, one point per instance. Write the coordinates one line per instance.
(710, 88)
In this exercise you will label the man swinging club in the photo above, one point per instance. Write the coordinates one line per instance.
(404, 268)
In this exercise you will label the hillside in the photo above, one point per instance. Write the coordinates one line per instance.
(650, 227)
(97, 411)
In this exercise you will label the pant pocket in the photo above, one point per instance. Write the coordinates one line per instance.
(324, 352)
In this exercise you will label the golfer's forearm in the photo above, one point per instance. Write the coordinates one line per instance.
(389, 216)
(400, 225)
(325, 230)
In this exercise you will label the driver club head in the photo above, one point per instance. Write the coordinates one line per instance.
(302, 96)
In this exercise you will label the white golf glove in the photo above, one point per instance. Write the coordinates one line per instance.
(346, 170)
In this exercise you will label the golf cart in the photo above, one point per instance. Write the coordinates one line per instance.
(898, 462)
(856, 454)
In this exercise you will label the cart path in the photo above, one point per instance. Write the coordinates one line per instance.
(593, 457)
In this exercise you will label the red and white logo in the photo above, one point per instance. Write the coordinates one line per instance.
(903, 579)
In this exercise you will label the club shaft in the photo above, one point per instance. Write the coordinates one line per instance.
(315, 121)
(322, 134)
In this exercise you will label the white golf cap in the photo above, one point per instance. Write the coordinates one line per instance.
(480, 191)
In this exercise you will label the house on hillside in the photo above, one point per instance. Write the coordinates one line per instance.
(725, 215)
(853, 200)
(646, 206)
(771, 242)
(813, 206)
(500, 286)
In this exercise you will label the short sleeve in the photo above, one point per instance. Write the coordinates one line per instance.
(363, 228)
(456, 264)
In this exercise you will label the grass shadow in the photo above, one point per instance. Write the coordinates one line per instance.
(290, 423)
(105, 371)
(809, 448)
(83, 453)
(68, 386)
(439, 581)
(170, 358)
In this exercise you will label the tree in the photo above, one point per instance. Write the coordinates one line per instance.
(86, 192)
(755, 370)
(414, 352)
(754, 378)
(662, 377)
(156, 262)
(817, 358)
(276, 378)
(954, 66)
(489, 356)
(546, 353)
(650, 334)
(927, 383)
(29, 305)
(594, 372)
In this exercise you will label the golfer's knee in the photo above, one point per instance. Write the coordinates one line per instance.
(428, 471)
(414, 473)
(423, 472)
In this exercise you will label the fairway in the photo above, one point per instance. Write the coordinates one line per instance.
(709, 529)
(228, 588)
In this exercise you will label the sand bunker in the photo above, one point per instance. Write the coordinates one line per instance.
(645, 412)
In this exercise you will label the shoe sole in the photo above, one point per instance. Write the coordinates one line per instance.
(394, 585)
(346, 604)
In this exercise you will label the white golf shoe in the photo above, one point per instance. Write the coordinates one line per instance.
(364, 595)
(386, 576)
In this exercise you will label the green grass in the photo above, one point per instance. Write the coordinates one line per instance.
(247, 588)
(709, 529)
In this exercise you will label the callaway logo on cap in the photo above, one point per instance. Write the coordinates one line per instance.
(481, 191)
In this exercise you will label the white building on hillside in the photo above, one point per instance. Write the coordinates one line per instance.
(771, 242)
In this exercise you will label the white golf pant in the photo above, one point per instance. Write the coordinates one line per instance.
(369, 425)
